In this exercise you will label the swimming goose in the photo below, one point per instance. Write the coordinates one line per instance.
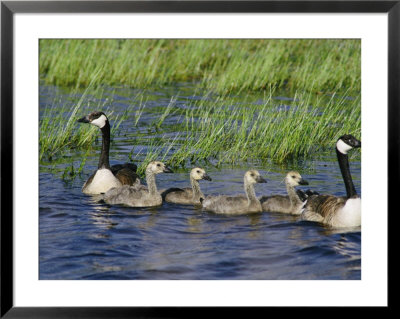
(289, 204)
(107, 177)
(140, 195)
(187, 195)
(236, 205)
(332, 210)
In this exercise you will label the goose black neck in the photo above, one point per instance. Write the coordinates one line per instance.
(105, 147)
(343, 160)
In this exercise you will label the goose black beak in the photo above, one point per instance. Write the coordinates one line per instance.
(303, 182)
(84, 119)
(167, 170)
(206, 177)
(259, 179)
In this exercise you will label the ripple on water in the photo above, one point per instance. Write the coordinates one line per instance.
(81, 238)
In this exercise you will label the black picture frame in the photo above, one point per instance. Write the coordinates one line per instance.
(9, 8)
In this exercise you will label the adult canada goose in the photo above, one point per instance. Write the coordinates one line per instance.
(140, 195)
(235, 205)
(187, 195)
(332, 210)
(289, 204)
(107, 177)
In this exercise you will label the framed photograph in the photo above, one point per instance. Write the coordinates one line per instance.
(163, 155)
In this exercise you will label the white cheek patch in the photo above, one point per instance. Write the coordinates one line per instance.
(343, 147)
(100, 122)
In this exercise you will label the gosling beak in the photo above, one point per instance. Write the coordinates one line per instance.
(259, 179)
(84, 119)
(303, 182)
(167, 170)
(206, 177)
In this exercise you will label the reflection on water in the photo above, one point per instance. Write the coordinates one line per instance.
(194, 224)
(84, 238)
(183, 242)
(102, 220)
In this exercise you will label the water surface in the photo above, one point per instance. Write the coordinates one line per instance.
(83, 239)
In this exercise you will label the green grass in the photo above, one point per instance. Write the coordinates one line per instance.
(228, 125)
(261, 132)
(224, 130)
(217, 65)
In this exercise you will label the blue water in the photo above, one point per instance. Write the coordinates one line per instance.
(83, 239)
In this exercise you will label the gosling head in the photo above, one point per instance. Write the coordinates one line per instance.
(157, 168)
(95, 118)
(253, 176)
(347, 142)
(198, 173)
(294, 178)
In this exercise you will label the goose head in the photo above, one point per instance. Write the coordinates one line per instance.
(157, 168)
(252, 177)
(347, 142)
(294, 178)
(198, 173)
(96, 118)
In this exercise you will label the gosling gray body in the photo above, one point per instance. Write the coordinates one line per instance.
(286, 204)
(139, 195)
(336, 211)
(106, 176)
(188, 196)
(236, 205)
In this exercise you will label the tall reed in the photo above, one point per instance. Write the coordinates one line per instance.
(220, 65)
(225, 131)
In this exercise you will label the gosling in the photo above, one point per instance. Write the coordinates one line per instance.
(188, 196)
(236, 205)
(289, 204)
(139, 195)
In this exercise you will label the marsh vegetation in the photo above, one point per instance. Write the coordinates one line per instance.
(260, 100)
